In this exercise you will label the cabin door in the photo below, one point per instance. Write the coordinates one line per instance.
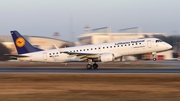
(149, 43)
(45, 56)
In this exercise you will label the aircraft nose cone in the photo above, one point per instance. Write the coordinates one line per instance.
(169, 46)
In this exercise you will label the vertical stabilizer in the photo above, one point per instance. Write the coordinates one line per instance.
(22, 45)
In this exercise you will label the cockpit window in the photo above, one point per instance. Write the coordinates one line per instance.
(159, 41)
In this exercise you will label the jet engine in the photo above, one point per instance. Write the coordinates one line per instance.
(107, 57)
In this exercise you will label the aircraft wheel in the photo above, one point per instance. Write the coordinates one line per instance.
(154, 59)
(89, 66)
(95, 66)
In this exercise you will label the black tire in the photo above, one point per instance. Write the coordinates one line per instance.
(89, 66)
(95, 66)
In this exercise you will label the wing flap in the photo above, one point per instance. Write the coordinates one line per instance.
(82, 55)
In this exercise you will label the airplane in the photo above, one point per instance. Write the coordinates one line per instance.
(105, 52)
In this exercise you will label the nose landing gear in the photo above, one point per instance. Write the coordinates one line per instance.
(154, 56)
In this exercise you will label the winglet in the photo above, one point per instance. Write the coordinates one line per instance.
(59, 49)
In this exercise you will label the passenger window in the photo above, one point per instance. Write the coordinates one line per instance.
(87, 49)
(84, 50)
(103, 47)
(49, 53)
(129, 44)
(95, 48)
(107, 46)
(91, 49)
(99, 48)
(125, 44)
(57, 53)
(114, 46)
(121, 45)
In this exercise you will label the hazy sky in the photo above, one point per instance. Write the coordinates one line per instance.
(44, 17)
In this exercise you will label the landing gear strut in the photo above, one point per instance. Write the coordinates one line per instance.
(121, 58)
(94, 66)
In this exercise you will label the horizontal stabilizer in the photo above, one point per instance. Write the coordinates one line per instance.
(16, 55)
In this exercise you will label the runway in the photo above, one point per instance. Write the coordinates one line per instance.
(85, 71)
(79, 68)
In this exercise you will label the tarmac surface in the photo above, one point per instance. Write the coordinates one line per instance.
(82, 70)
(75, 68)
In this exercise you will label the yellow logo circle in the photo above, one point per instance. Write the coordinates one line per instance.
(20, 42)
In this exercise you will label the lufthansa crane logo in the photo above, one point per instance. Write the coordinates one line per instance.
(20, 42)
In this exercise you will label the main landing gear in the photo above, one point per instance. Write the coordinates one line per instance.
(94, 66)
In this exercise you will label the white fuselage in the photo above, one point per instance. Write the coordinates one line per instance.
(121, 48)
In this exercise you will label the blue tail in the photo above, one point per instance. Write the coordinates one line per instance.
(22, 45)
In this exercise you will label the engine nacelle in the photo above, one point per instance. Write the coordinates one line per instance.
(107, 57)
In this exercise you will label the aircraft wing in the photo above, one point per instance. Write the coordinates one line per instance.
(76, 53)
(83, 56)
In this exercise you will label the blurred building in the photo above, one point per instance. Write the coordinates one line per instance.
(103, 35)
(37, 41)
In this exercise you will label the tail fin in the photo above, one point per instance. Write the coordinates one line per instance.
(22, 45)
